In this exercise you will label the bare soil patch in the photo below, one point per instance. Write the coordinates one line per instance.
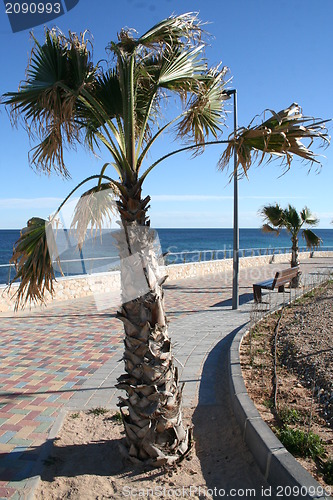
(86, 464)
(304, 376)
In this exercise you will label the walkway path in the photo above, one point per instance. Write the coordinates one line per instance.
(68, 357)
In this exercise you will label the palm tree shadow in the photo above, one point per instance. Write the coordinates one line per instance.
(49, 461)
(243, 299)
(225, 461)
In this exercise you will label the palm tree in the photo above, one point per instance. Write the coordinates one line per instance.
(66, 99)
(278, 218)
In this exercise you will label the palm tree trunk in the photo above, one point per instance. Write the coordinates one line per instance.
(151, 409)
(295, 260)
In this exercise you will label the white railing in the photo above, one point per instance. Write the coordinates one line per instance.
(187, 256)
(89, 265)
(70, 267)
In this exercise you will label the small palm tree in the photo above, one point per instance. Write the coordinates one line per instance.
(278, 218)
(66, 100)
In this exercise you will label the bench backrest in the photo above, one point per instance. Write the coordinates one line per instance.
(285, 276)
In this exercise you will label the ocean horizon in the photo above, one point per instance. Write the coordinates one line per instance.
(190, 244)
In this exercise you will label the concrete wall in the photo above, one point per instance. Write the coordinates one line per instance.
(73, 287)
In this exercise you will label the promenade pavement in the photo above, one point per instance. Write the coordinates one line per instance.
(68, 356)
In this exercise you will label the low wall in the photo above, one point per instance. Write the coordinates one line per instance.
(67, 288)
(73, 287)
(193, 269)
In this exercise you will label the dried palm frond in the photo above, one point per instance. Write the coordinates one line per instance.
(183, 30)
(205, 111)
(279, 136)
(266, 228)
(47, 101)
(33, 262)
(94, 208)
(311, 239)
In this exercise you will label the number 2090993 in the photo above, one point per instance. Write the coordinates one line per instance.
(33, 8)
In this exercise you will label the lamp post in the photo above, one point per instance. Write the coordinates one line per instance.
(235, 267)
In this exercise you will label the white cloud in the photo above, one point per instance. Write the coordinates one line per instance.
(53, 202)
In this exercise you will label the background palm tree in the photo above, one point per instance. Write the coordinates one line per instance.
(278, 218)
(66, 99)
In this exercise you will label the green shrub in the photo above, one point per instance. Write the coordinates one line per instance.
(98, 411)
(117, 417)
(301, 443)
(327, 470)
(269, 403)
(289, 415)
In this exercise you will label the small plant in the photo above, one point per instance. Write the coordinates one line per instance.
(301, 443)
(289, 415)
(75, 415)
(327, 470)
(117, 417)
(98, 411)
(269, 403)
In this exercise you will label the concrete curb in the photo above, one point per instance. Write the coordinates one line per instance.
(279, 467)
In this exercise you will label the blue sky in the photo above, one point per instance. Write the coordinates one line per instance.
(278, 53)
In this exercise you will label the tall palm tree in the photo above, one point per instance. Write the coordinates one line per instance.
(277, 218)
(66, 99)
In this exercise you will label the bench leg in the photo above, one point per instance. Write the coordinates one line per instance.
(257, 294)
(281, 288)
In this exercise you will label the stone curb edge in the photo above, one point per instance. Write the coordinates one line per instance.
(278, 466)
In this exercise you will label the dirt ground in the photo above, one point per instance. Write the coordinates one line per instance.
(304, 354)
(86, 463)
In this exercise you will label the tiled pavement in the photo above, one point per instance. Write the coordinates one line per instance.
(67, 357)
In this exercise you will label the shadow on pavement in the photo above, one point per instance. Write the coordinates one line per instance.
(226, 462)
(244, 298)
(99, 457)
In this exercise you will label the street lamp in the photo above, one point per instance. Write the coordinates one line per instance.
(235, 267)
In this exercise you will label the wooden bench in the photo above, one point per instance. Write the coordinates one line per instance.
(280, 279)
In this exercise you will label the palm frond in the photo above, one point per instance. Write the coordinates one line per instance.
(292, 219)
(273, 214)
(311, 239)
(49, 153)
(308, 218)
(147, 95)
(266, 228)
(33, 262)
(205, 111)
(106, 91)
(94, 208)
(185, 29)
(280, 136)
(179, 67)
(47, 99)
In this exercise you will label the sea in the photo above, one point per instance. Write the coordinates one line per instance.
(177, 245)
